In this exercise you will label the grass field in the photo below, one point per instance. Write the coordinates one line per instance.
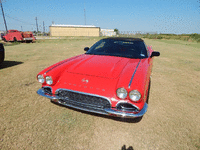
(29, 121)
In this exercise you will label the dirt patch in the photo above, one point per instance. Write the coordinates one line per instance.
(29, 121)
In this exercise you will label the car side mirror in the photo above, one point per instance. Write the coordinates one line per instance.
(155, 54)
(86, 48)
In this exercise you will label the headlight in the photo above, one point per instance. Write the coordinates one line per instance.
(121, 93)
(134, 95)
(49, 80)
(40, 78)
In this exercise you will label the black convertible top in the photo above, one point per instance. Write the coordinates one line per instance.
(125, 38)
(120, 47)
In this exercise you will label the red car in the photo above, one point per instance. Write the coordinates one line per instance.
(111, 78)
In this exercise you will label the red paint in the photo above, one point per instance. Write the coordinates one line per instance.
(102, 75)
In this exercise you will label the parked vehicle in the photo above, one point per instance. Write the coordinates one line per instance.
(15, 35)
(111, 78)
(2, 53)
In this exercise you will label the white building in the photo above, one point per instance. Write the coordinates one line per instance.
(108, 32)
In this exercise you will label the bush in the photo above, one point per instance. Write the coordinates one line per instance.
(159, 37)
(195, 37)
(183, 37)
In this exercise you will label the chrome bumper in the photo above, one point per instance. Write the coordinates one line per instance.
(27, 39)
(110, 111)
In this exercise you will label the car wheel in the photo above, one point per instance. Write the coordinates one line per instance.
(15, 39)
(130, 120)
(2, 53)
(4, 40)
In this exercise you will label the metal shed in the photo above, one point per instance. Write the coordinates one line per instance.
(74, 30)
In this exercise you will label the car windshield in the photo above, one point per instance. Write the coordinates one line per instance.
(119, 47)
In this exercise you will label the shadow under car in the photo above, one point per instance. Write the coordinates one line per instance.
(7, 64)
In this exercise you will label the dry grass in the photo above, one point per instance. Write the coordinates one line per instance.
(29, 121)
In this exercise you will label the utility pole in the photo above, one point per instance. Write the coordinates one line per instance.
(85, 16)
(4, 17)
(84, 13)
(43, 28)
(36, 24)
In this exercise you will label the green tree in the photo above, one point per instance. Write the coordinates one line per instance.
(116, 31)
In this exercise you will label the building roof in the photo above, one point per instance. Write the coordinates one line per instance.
(107, 30)
(82, 26)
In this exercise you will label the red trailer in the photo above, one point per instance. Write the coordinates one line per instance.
(15, 35)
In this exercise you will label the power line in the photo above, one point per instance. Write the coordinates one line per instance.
(18, 20)
(1, 1)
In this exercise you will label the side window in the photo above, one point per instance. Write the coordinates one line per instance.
(100, 45)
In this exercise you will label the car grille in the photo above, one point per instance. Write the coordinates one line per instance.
(83, 100)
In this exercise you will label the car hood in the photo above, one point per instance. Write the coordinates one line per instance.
(100, 66)
(100, 75)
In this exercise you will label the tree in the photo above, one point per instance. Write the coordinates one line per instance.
(116, 31)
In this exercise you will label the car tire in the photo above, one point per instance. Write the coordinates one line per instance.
(4, 40)
(138, 119)
(15, 39)
(2, 53)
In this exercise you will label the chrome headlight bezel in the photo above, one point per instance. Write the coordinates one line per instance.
(122, 93)
(49, 80)
(134, 95)
(40, 78)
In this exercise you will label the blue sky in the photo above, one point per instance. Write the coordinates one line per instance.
(162, 16)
